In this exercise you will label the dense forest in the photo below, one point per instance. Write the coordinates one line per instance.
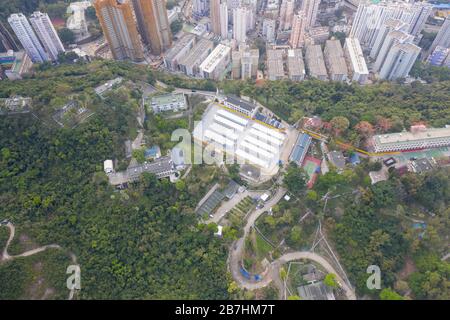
(139, 243)
(145, 242)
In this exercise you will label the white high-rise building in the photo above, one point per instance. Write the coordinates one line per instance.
(286, 14)
(399, 61)
(355, 60)
(443, 37)
(422, 11)
(311, 9)
(233, 4)
(389, 25)
(240, 24)
(392, 38)
(47, 34)
(370, 17)
(224, 20)
(299, 24)
(27, 38)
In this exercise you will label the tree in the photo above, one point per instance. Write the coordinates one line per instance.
(176, 26)
(330, 280)
(294, 297)
(389, 294)
(66, 35)
(339, 124)
(365, 129)
(139, 155)
(295, 179)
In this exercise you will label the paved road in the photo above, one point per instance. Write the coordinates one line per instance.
(6, 257)
(272, 271)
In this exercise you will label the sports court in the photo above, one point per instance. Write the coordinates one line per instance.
(310, 165)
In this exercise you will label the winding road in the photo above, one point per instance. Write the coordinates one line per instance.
(272, 271)
(7, 257)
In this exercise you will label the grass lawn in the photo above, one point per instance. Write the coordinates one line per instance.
(263, 248)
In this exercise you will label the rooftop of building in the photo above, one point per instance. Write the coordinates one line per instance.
(199, 48)
(315, 61)
(179, 45)
(356, 55)
(406, 136)
(315, 291)
(295, 62)
(167, 99)
(335, 57)
(215, 57)
(239, 102)
(275, 68)
(273, 54)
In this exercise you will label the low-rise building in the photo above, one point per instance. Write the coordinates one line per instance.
(296, 67)
(108, 166)
(16, 104)
(216, 64)
(337, 159)
(189, 63)
(419, 137)
(237, 104)
(161, 168)
(108, 86)
(168, 102)
(275, 65)
(180, 49)
(335, 61)
(315, 291)
(315, 62)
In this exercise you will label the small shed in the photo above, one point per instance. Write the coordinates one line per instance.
(108, 166)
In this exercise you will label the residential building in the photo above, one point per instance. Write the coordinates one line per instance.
(153, 24)
(391, 39)
(286, 14)
(214, 13)
(236, 66)
(417, 138)
(168, 102)
(443, 37)
(335, 61)
(399, 61)
(249, 63)
(274, 64)
(179, 50)
(216, 64)
(385, 29)
(299, 23)
(310, 8)
(337, 159)
(317, 35)
(371, 16)
(47, 34)
(315, 62)
(189, 63)
(355, 60)
(27, 38)
(224, 20)
(240, 16)
(295, 65)
(119, 27)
